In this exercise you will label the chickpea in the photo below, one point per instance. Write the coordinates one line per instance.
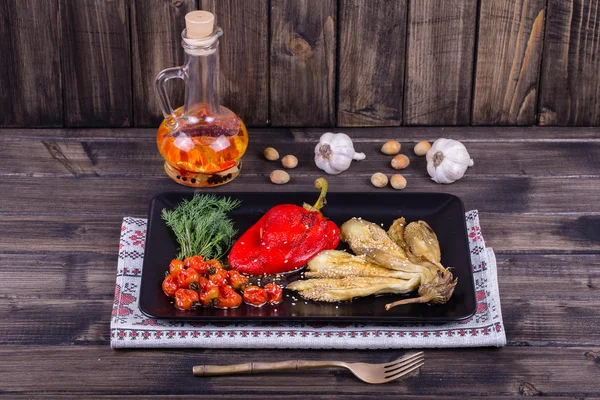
(422, 148)
(289, 161)
(279, 177)
(398, 181)
(379, 180)
(400, 161)
(391, 147)
(271, 154)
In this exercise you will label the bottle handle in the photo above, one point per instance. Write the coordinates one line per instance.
(159, 86)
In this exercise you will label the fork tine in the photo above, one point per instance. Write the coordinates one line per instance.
(403, 364)
(404, 372)
(403, 359)
(403, 367)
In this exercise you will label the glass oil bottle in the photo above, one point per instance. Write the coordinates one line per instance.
(202, 142)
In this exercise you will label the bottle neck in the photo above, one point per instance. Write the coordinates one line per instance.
(202, 86)
(201, 73)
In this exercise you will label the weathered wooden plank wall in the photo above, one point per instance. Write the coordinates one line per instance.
(303, 62)
(244, 51)
(156, 27)
(92, 63)
(439, 62)
(570, 89)
(96, 64)
(371, 62)
(30, 77)
(509, 51)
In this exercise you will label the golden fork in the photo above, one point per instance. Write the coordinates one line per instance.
(369, 373)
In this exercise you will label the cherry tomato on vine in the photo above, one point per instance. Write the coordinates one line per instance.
(209, 295)
(197, 263)
(186, 299)
(255, 296)
(228, 298)
(187, 276)
(213, 265)
(237, 280)
(175, 266)
(202, 283)
(170, 285)
(274, 293)
(220, 277)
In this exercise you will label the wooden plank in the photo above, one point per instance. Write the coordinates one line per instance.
(550, 371)
(534, 322)
(466, 134)
(439, 63)
(302, 71)
(96, 62)
(509, 53)
(538, 234)
(413, 134)
(530, 275)
(371, 62)
(90, 273)
(30, 75)
(57, 322)
(570, 83)
(67, 274)
(124, 195)
(156, 27)
(113, 158)
(253, 396)
(57, 234)
(123, 134)
(550, 322)
(261, 397)
(244, 57)
(71, 158)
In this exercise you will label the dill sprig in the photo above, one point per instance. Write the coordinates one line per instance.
(201, 225)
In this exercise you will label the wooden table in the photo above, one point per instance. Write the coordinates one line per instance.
(64, 193)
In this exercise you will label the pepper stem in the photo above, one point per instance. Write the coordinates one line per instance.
(322, 185)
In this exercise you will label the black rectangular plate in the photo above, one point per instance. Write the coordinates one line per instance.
(444, 212)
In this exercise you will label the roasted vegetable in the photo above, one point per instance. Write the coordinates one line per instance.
(438, 291)
(335, 264)
(346, 289)
(368, 239)
(404, 259)
(285, 238)
(421, 245)
(387, 260)
(423, 242)
(396, 234)
(362, 235)
(419, 242)
(413, 249)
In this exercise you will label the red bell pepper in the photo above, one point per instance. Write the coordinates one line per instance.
(285, 238)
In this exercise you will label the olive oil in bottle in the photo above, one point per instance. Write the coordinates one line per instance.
(202, 142)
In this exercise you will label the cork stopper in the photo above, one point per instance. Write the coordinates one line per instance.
(199, 24)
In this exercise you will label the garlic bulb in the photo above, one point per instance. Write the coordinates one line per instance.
(335, 152)
(447, 160)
